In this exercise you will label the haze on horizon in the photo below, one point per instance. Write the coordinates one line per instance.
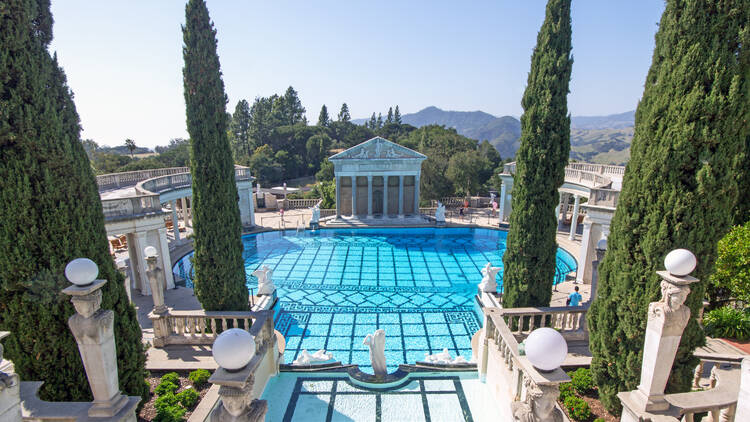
(124, 59)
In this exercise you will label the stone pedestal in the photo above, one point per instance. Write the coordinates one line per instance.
(93, 330)
(234, 392)
(667, 319)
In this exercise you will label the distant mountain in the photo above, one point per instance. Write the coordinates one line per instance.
(598, 139)
(613, 121)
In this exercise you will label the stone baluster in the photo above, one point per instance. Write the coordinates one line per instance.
(93, 329)
(667, 319)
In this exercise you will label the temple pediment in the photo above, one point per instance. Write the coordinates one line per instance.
(378, 148)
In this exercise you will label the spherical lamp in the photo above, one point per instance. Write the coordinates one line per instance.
(546, 349)
(233, 349)
(602, 244)
(81, 271)
(680, 262)
(149, 251)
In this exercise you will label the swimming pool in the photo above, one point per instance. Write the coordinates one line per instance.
(337, 285)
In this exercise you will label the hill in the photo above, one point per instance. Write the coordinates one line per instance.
(598, 139)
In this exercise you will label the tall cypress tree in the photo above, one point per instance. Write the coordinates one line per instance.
(529, 260)
(323, 119)
(50, 213)
(219, 268)
(678, 190)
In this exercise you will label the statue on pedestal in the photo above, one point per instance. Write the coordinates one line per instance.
(315, 219)
(265, 284)
(539, 405)
(440, 213)
(376, 341)
(488, 284)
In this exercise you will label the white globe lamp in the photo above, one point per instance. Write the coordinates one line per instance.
(602, 244)
(81, 271)
(546, 349)
(680, 262)
(149, 251)
(233, 349)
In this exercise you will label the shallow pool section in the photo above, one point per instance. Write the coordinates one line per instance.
(332, 397)
(335, 286)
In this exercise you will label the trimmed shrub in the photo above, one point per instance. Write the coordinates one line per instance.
(566, 390)
(171, 377)
(582, 381)
(188, 398)
(599, 420)
(166, 400)
(199, 377)
(577, 408)
(170, 414)
(165, 387)
(727, 322)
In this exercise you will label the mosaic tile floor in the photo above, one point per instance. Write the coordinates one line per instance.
(337, 285)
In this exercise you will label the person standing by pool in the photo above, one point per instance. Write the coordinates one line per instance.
(574, 298)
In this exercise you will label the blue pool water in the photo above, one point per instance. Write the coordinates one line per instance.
(337, 285)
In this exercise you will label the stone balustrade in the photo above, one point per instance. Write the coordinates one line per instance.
(586, 174)
(293, 204)
(719, 400)
(182, 180)
(522, 392)
(604, 169)
(570, 321)
(125, 208)
(603, 197)
(201, 327)
(131, 178)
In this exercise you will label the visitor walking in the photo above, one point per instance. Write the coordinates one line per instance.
(574, 298)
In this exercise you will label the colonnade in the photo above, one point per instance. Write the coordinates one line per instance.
(377, 194)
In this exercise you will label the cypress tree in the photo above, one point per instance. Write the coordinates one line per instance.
(323, 119)
(50, 213)
(344, 115)
(529, 260)
(389, 118)
(397, 116)
(678, 190)
(373, 121)
(219, 268)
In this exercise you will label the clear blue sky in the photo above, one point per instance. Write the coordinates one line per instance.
(124, 59)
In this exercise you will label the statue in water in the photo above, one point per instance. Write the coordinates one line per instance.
(376, 341)
(315, 215)
(440, 213)
(265, 284)
(488, 284)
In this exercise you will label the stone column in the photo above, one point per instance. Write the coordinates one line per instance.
(584, 252)
(369, 196)
(667, 319)
(166, 260)
(245, 205)
(416, 194)
(93, 330)
(189, 201)
(123, 269)
(354, 196)
(175, 220)
(501, 208)
(574, 218)
(338, 197)
(252, 206)
(743, 399)
(401, 196)
(141, 239)
(385, 196)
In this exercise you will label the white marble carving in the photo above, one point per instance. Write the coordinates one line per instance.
(315, 215)
(444, 358)
(305, 358)
(265, 284)
(376, 342)
(488, 284)
(440, 213)
(378, 148)
(539, 405)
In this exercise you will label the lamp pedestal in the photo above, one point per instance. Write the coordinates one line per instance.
(234, 392)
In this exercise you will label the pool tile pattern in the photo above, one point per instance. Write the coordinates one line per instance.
(337, 399)
(337, 286)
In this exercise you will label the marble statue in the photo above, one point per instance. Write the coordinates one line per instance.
(305, 358)
(539, 405)
(488, 284)
(444, 358)
(376, 342)
(315, 215)
(265, 284)
(440, 213)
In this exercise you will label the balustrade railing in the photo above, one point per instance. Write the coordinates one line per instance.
(201, 327)
(590, 175)
(119, 208)
(604, 197)
(131, 178)
(570, 321)
(181, 180)
(719, 400)
(294, 204)
(516, 384)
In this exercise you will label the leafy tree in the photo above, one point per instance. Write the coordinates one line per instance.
(323, 119)
(327, 192)
(373, 122)
(262, 120)
(325, 173)
(529, 260)
(389, 119)
(292, 109)
(397, 116)
(463, 171)
(240, 128)
(317, 148)
(344, 115)
(263, 164)
(219, 268)
(51, 213)
(733, 263)
(90, 147)
(678, 190)
(130, 144)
